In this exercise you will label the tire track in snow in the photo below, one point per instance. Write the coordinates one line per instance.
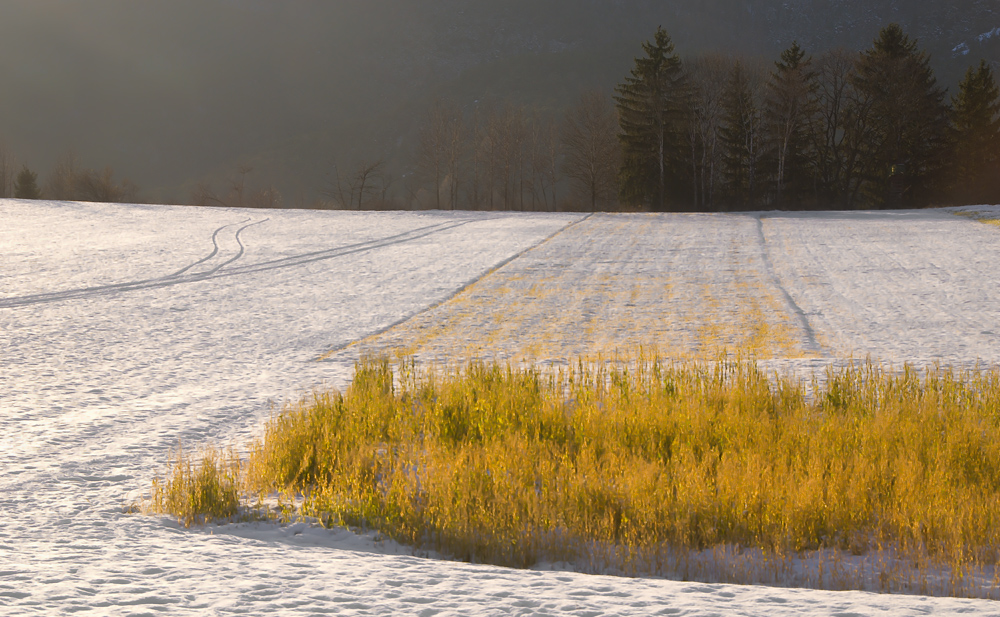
(175, 279)
(215, 250)
(811, 342)
(239, 254)
(368, 245)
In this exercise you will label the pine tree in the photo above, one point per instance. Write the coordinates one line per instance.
(650, 110)
(788, 110)
(742, 135)
(908, 120)
(26, 185)
(976, 129)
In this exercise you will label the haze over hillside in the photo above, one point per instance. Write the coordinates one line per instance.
(173, 93)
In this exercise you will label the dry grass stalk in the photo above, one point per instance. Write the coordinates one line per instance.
(632, 466)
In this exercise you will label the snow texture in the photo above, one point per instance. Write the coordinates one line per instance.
(126, 329)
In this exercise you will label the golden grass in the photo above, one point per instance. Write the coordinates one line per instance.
(722, 300)
(636, 463)
(199, 494)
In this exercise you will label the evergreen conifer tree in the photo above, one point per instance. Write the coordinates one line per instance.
(742, 136)
(650, 109)
(789, 109)
(908, 120)
(976, 125)
(26, 185)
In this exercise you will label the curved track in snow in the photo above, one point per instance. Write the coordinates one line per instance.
(215, 251)
(183, 275)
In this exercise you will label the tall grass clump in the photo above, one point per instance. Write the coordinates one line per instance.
(634, 465)
(199, 494)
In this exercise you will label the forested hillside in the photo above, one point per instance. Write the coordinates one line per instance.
(192, 97)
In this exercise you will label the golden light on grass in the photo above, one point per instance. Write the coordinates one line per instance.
(633, 295)
(199, 494)
(632, 465)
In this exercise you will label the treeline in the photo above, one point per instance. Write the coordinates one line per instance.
(500, 156)
(842, 130)
(839, 130)
(68, 181)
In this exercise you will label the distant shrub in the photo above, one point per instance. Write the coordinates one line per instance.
(26, 185)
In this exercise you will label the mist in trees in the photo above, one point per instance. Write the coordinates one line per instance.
(497, 156)
(686, 128)
(70, 181)
(239, 191)
(593, 155)
(838, 130)
(176, 94)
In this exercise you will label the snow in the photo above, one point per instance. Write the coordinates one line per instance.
(963, 48)
(125, 329)
(988, 35)
(909, 286)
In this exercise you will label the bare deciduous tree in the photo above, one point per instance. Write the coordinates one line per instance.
(592, 149)
(203, 195)
(507, 132)
(544, 154)
(71, 181)
(100, 186)
(240, 193)
(355, 190)
(268, 197)
(62, 183)
(482, 152)
(238, 183)
(707, 76)
(440, 152)
(7, 173)
(839, 129)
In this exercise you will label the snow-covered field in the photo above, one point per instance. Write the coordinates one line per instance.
(125, 329)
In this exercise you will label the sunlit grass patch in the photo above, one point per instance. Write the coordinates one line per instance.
(199, 493)
(630, 466)
(636, 283)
